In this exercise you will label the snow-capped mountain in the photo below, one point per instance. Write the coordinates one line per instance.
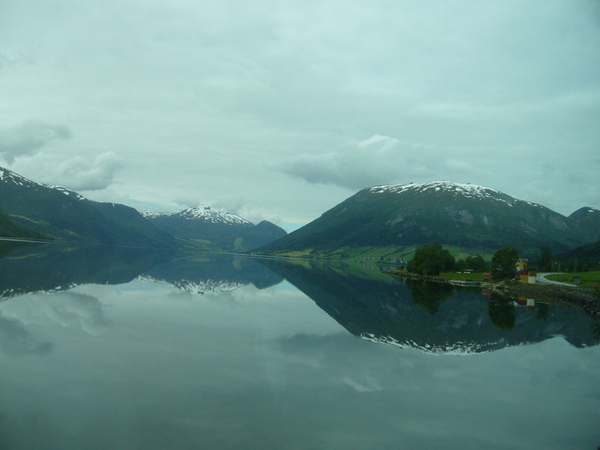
(214, 229)
(465, 215)
(204, 213)
(464, 190)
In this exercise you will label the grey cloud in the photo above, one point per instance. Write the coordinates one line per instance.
(29, 137)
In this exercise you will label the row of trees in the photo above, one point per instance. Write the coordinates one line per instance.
(432, 259)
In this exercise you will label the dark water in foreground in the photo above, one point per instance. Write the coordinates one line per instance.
(126, 349)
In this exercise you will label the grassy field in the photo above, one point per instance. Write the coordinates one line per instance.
(391, 253)
(590, 280)
(462, 276)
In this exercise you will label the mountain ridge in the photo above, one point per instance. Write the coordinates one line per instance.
(460, 214)
(32, 209)
(465, 215)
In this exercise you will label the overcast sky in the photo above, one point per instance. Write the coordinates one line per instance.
(282, 109)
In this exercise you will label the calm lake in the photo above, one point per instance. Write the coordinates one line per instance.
(131, 349)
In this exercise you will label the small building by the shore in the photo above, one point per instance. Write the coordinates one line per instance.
(526, 276)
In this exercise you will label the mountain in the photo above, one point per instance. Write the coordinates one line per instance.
(588, 220)
(262, 234)
(214, 229)
(62, 214)
(464, 215)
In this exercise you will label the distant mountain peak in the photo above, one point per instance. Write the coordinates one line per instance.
(204, 213)
(207, 213)
(584, 211)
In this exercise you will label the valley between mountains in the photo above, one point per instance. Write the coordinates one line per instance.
(382, 222)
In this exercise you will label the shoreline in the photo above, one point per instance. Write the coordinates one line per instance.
(573, 297)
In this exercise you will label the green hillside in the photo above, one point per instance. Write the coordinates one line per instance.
(64, 215)
(11, 230)
(472, 218)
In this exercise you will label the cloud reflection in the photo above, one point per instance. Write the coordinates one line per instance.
(15, 339)
(64, 309)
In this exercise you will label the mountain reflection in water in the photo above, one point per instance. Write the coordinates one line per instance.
(432, 317)
(56, 267)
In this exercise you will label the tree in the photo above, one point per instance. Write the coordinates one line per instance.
(431, 259)
(503, 263)
(474, 263)
(545, 261)
(461, 265)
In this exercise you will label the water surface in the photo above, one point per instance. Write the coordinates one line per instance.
(125, 349)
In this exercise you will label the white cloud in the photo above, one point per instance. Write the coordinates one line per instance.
(377, 160)
(188, 201)
(76, 173)
(29, 137)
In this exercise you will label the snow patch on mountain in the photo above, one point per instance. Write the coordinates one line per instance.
(69, 192)
(10, 176)
(469, 190)
(465, 190)
(204, 213)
